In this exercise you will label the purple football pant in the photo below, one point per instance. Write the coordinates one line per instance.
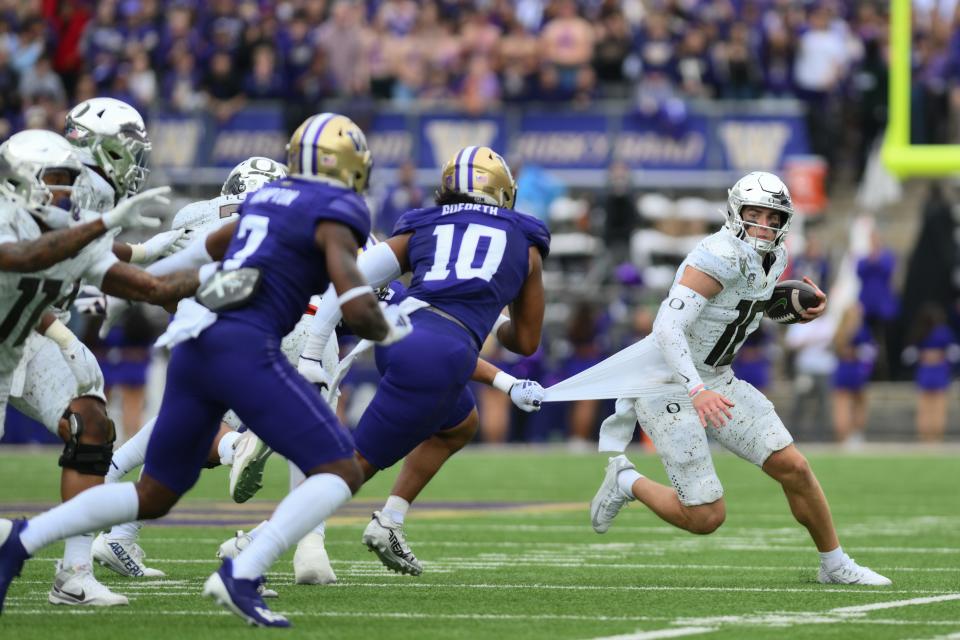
(233, 365)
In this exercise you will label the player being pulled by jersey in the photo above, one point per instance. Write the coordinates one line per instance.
(61, 394)
(470, 256)
(293, 237)
(311, 563)
(678, 384)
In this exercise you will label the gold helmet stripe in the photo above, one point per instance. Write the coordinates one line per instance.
(464, 174)
(308, 145)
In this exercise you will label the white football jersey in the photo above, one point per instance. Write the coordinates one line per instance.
(734, 313)
(208, 214)
(25, 296)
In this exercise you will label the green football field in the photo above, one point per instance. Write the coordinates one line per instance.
(506, 541)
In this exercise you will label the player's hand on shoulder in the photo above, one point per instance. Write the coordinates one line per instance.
(398, 322)
(712, 408)
(314, 372)
(814, 312)
(527, 395)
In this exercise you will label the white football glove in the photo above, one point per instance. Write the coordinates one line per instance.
(399, 322)
(83, 364)
(527, 395)
(180, 243)
(127, 214)
(156, 247)
(314, 372)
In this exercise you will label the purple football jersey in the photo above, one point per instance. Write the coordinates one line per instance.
(276, 235)
(470, 260)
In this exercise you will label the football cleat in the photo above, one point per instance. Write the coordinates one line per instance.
(242, 597)
(123, 556)
(12, 554)
(385, 537)
(311, 564)
(246, 474)
(849, 572)
(231, 548)
(77, 586)
(609, 499)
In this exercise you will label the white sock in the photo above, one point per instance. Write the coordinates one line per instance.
(95, 509)
(395, 508)
(296, 476)
(307, 505)
(132, 454)
(830, 560)
(128, 531)
(253, 533)
(76, 551)
(225, 448)
(320, 529)
(625, 479)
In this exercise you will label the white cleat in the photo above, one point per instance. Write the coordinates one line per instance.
(385, 537)
(311, 564)
(124, 557)
(78, 587)
(250, 455)
(231, 548)
(851, 573)
(609, 499)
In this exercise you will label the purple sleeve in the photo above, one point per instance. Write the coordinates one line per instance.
(351, 210)
(536, 232)
(411, 220)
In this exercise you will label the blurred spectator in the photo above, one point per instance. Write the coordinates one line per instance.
(585, 352)
(613, 45)
(223, 87)
(28, 46)
(264, 82)
(480, 90)
(877, 297)
(567, 44)
(933, 349)
(400, 197)
(694, 69)
(777, 58)
(813, 262)
(738, 71)
(818, 71)
(181, 86)
(754, 360)
(620, 213)
(856, 354)
(42, 82)
(342, 37)
(67, 20)
(814, 364)
(142, 79)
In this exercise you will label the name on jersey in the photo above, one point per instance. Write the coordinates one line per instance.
(470, 206)
(282, 197)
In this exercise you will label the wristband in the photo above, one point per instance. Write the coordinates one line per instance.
(503, 381)
(59, 333)
(696, 390)
(356, 292)
(138, 253)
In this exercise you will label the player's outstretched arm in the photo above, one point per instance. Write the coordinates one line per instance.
(522, 334)
(50, 248)
(149, 250)
(527, 395)
(204, 249)
(132, 283)
(359, 305)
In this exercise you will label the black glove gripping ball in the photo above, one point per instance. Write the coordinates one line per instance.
(790, 297)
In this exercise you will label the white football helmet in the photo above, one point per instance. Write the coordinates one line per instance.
(759, 189)
(116, 137)
(28, 156)
(251, 174)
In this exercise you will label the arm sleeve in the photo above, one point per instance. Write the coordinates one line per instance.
(680, 310)
(194, 256)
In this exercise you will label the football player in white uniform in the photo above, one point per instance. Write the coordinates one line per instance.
(678, 384)
(60, 393)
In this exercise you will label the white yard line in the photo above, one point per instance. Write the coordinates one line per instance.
(863, 608)
(661, 633)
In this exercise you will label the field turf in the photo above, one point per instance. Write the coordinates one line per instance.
(509, 554)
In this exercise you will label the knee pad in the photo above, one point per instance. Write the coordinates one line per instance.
(89, 459)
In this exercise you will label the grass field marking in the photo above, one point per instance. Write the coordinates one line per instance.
(863, 608)
(661, 633)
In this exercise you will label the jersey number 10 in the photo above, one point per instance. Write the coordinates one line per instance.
(490, 255)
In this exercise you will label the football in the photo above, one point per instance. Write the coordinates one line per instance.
(789, 298)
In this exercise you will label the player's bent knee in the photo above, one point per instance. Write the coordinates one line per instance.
(89, 436)
(707, 518)
(788, 466)
(461, 435)
(156, 500)
(347, 468)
